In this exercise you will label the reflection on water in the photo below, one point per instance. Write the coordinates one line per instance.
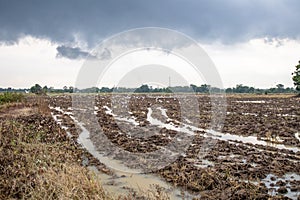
(190, 129)
(271, 180)
(246, 101)
(297, 136)
(126, 177)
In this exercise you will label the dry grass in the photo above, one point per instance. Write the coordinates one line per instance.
(70, 182)
(38, 160)
(35, 169)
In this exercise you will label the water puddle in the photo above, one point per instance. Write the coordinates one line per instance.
(189, 129)
(127, 178)
(123, 178)
(276, 139)
(251, 101)
(204, 163)
(244, 113)
(273, 183)
(130, 119)
(185, 128)
(265, 115)
(109, 111)
(249, 139)
(286, 115)
(59, 121)
(163, 111)
(297, 136)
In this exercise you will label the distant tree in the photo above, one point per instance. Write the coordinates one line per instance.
(289, 90)
(167, 90)
(105, 89)
(296, 77)
(280, 88)
(203, 88)
(228, 90)
(143, 89)
(241, 89)
(157, 90)
(45, 89)
(36, 89)
(194, 87)
(65, 88)
(251, 90)
(71, 89)
(51, 89)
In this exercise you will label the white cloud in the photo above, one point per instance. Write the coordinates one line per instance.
(259, 62)
(140, 67)
(32, 61)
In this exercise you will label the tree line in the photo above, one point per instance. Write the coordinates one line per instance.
(204, 88)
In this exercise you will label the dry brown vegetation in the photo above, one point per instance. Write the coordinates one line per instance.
(39, 161)
(37, 164)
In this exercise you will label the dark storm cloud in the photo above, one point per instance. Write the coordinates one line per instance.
(71, 53)
(225, 21)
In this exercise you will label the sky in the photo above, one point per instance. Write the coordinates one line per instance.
(251, 42)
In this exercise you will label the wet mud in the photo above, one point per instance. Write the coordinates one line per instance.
(255, 155)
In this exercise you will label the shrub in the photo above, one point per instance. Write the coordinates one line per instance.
(9, 97)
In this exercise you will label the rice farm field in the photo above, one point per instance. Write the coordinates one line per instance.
(255, 155)
(152, 146)
(145, 100)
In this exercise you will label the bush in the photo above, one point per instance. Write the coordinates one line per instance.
(9, 97)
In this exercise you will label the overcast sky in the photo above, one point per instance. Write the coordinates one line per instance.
(255, 43)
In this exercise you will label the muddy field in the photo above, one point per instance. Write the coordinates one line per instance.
(254, 155)
(38, 160)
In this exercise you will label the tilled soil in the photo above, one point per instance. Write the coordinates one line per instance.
(228, 169)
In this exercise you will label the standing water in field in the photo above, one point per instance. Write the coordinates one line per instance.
(251, 155)
(124, 178)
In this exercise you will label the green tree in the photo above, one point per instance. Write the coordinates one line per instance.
(194, 87)
(143, 89)
(203, 88)
(280, 88)
(71, 89)
(65, 88)
(37, 89)
(45, 89)
(241, 89)
(229, 90)
(296, 77)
